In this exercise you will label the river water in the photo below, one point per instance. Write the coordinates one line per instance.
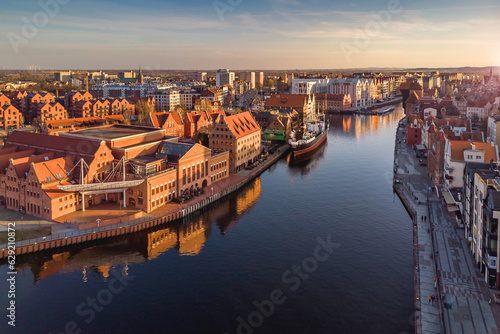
(319, 247)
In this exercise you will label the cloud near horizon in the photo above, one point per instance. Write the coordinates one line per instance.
(276, 34)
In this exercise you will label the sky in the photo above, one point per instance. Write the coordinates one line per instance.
(248, 34)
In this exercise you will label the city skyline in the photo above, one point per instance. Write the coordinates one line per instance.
(273, 35)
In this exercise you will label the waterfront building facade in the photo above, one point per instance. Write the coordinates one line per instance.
(303, 104)
(458, 153)
(50, 176)
(239, 135)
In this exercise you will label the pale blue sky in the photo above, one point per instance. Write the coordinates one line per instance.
(274, 34)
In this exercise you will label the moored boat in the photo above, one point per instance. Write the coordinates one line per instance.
(313, 135)
(385, 110)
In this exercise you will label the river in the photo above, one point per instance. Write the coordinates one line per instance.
(320, 247)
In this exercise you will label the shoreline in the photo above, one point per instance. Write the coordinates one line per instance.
(81, 236)
(368, 110)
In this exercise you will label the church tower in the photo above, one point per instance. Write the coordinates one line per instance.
(140, 78)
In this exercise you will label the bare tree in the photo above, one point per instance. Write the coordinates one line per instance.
(143, 109)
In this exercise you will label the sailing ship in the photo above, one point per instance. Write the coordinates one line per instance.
(311, 136)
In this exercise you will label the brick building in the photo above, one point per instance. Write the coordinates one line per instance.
(302, 103)
(170, 121)
(332, 102)
(241, 136)
(131, 166)
(414, 131)
(10, 117)
(435, 155)
(48, 111)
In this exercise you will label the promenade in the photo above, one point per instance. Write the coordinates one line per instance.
(440, 252)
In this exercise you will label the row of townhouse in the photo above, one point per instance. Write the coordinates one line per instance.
(193, 123)
(480, 215)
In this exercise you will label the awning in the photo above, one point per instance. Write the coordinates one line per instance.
(448, 198)
(453, 208)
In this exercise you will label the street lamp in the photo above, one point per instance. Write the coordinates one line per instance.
(212, 190)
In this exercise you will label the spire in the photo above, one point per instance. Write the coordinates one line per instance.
(140, 77)
(491, 71)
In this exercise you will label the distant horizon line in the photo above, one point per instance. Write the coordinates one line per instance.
(264, 70)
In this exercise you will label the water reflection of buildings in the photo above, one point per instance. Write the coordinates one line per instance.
(363, 126)
(187, 238)
(227, 214)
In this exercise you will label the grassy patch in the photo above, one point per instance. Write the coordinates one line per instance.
(25, 233)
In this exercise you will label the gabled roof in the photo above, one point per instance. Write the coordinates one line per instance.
(287, 101)
(56, 169)
(410, 86)
(242, 124)
(12, 153)
(412, 98)
(177, 118)
(174, 151)
(22, 165)
(158, 118)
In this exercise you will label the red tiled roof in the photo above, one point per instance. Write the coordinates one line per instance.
(287, 101)
(159, 118)
(177, 118)
(412, 98)
(242, 124)
(477, 104)
(12, 153)
(410, 86)
(52, 170)
(22, 165)
(458, 147)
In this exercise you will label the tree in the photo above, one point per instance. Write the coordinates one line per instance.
(142, 109)
(181, 111)
(202, 138)
(37, 124)
(270, 83)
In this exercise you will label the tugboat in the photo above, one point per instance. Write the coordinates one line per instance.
(310, 138)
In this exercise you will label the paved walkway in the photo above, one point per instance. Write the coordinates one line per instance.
(443, 253)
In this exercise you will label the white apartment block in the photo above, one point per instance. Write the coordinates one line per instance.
(166, 99)
(362, 91)
(248, 77)
(224, 77)
(187, 98)
(259, 78)
(199, 76)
